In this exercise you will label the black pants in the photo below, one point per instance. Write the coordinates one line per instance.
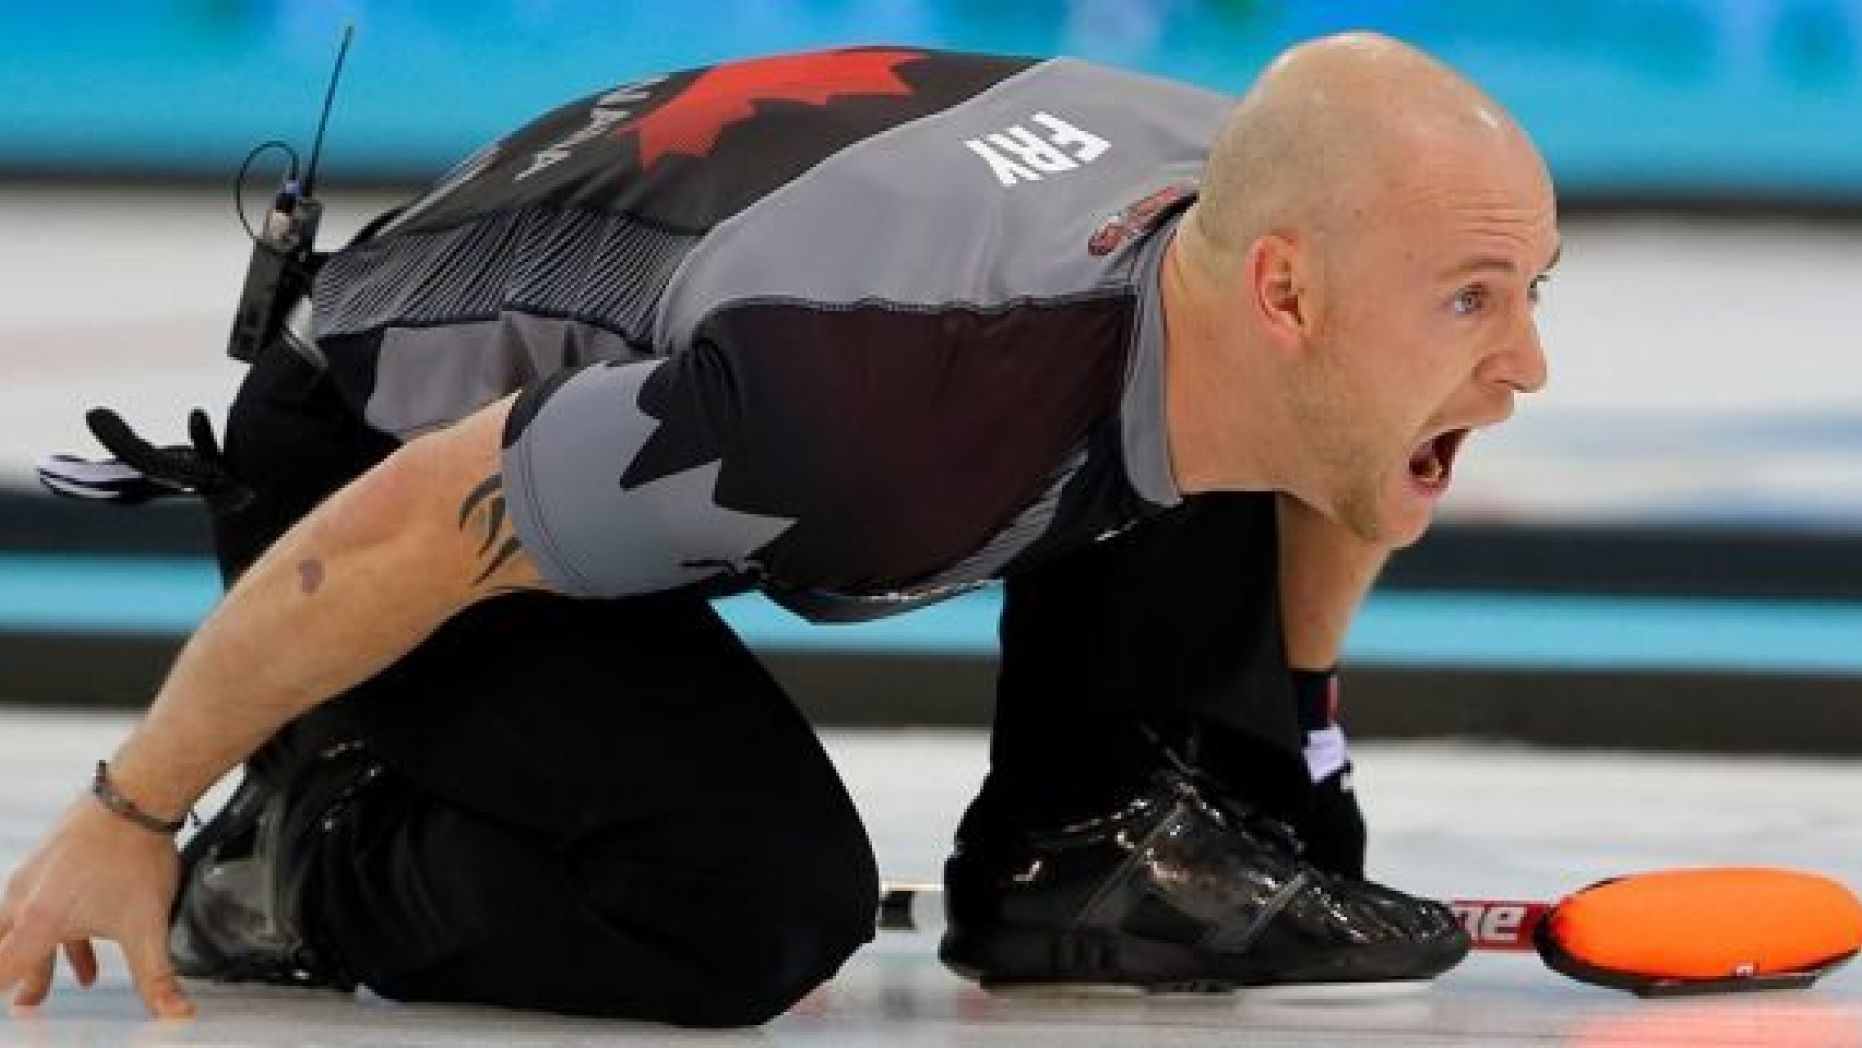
(610, 808)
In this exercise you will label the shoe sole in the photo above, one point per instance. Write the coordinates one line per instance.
(1021, 959)
(1336, 993)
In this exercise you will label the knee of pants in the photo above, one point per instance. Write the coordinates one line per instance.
(802, 929)
(763, 972)
(718, 918)
(755, 915)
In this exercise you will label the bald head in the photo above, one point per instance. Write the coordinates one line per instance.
(1330, 130)
(1355, 285)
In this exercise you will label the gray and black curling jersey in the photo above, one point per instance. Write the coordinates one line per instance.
(862, 328)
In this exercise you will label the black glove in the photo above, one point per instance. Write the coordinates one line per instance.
(142, 471)
(1331, 824)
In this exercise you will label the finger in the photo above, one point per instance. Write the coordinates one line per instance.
(34, 988)
(154, 975)
(23, 949)
(83, 960)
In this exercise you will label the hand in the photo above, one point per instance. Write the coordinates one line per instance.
(96, 876)
(1332, 826)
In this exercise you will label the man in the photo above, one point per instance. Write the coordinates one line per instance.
(861, 330)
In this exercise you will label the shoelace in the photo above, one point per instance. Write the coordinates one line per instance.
(1246, 818)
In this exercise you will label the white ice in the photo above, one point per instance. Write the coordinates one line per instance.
(1448, 819)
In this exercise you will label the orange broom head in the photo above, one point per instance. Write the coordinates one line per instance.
(1703, 925)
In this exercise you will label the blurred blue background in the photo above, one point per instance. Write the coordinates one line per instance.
(1629, 98)
(1675, 523)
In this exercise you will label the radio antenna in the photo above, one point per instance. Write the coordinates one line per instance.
(323, 120)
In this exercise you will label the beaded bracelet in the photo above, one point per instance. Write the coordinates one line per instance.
(112, 798)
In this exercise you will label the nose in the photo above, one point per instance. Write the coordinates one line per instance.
(1522, 366)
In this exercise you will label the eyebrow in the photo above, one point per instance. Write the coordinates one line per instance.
(1484, 263)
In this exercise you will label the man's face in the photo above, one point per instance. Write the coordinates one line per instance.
(1423, 331)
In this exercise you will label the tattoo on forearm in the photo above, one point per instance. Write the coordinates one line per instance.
(500, 544)
(491, 487)
(309, 576)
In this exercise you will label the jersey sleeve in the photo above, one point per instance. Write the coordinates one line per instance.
(611, 482)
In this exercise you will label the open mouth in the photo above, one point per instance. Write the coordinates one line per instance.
(1433, 461)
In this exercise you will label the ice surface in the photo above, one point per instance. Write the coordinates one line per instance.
(1446, 818)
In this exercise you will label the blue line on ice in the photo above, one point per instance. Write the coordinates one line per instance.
(97, 595)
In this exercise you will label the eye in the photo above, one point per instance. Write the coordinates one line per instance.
(1469, 300)
(1536, 289)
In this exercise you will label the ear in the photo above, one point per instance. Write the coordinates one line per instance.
(1276, 292)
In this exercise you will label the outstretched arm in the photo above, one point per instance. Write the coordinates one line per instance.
(353, 587)
(1325, 572)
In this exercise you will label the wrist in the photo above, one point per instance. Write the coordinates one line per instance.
(1315, 698)
(141, 801)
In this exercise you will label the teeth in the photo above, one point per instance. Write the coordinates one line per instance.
(1426, 463)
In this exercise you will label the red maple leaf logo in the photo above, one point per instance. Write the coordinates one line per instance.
(689, 123)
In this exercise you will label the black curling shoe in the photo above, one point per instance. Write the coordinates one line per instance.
(239, 914)
(1175, 892)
